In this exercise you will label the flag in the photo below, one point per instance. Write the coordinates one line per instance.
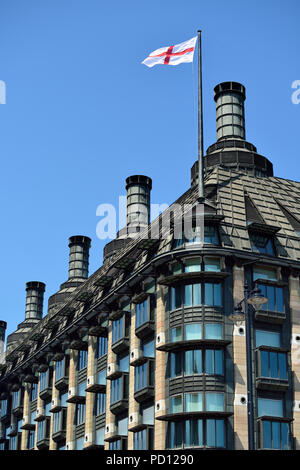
(172, 55)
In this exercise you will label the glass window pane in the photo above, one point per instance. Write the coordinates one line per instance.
(264, 273)
(270, 407)
(212, 264)
(197, 361)
(213, 331)
(188, 295)
(267, 338)
(209, 361)
(267, 439)
(282, 366)
(220, 433)
(210, 433)
(197, 298)
(193, 331)
(285, 436)
(264, 363)
(176, 334)
(176, 404)
(192, 265)
(276, 435)
(214, 401)
(148, 348)
(193, 402)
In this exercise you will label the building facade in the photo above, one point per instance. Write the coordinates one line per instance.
(143, 353)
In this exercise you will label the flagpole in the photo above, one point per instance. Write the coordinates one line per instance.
(200, 123)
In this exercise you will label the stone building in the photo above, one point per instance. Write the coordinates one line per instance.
(144, 353)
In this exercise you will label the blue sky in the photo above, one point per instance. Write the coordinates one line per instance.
(82, 113)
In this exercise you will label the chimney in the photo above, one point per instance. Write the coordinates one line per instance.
(138, 189)
(34, 300)
(229, 98)
(79, 257)
(3, 326)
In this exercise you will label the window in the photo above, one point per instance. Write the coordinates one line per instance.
(44, 380)
(101, 349)
(275, 435)
(59, 421)
(81, 389)
(79, 443)
(43, 428)
(33, 392)
(267, 338)
(120, 329)
(147, 412)
(148, 348)
(260, 272)
(142, 312)
(143, 440)
(100, 436)
(119, 389)
(214, 401)
(191, 295)
(100, 403)
(273, 365)
(213, 331)
(211, 235)
(63, 399)
(3, 408)
(30, 439)
(144, 376)
(262, 244)
(123, 361)
(59, 369)
(198, 361)
(80, 413)
(101, 377)
(122, 425)
(269, 407)
(195, 402)
(120, 444)
(16, 399)
(81, 360)
(275, 298)
(193, 331)
(196, 433)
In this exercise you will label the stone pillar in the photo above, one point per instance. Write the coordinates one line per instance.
(294, 290)
(133, 406)
(109, 416)
(70, 444)
(160, 371)
(26, 413)
(240, 367)
(90, 397)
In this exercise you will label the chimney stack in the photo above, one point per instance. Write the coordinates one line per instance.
(229, 98)
(3, 326)
(138, 189)
(79, 257)
(34, 300)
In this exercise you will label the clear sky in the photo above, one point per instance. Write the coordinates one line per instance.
(82, 113)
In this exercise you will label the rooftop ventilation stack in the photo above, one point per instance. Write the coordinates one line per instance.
(138, 189)
(231, 150)
(33, 311)
(229, 98)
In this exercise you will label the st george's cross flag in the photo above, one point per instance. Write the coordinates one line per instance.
(172, 55)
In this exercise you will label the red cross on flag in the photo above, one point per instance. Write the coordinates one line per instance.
(172, 55)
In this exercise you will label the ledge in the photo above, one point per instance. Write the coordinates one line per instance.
(270, 317)
(215, 276)
(194, 414)
(266, 383)
(144, 394)
(192, 344)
